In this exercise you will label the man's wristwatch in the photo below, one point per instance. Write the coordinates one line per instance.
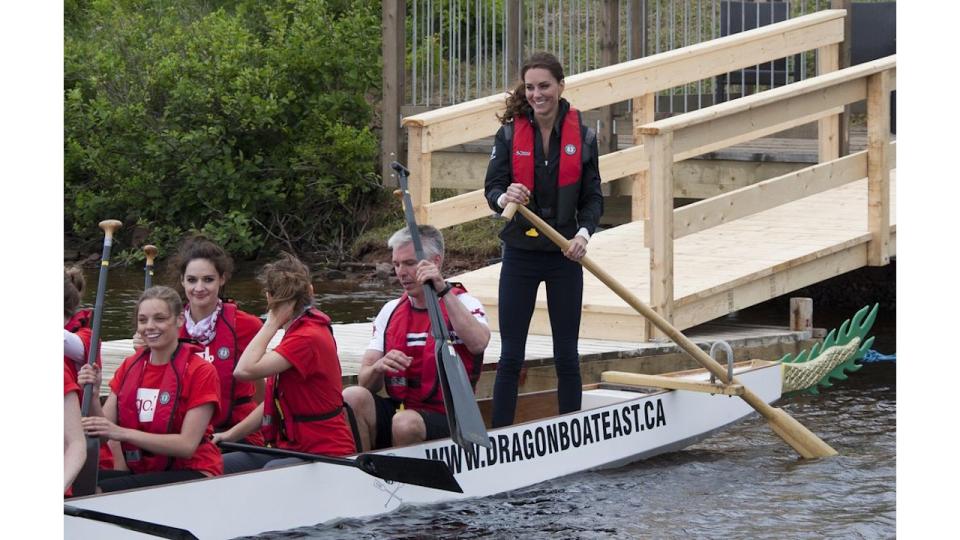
(441, 293)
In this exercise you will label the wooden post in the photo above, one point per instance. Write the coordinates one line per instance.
(609, 55)
(419, 164)
(643, 113)
(844, 62)
(394, 47)
(659, 150)
(514, 47)
(638, 28)
(828, 129)
(878, 168)
(801, 314)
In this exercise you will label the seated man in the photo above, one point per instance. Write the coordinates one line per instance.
(401, 354)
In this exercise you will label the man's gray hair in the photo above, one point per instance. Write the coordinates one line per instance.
(430, 237)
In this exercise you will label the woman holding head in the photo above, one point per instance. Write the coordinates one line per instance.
(162, 401)
(545, 158)
(222, 329)
(303, 409)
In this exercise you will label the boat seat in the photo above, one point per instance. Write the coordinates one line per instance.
(604, 396)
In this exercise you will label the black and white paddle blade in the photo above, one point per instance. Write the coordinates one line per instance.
(423, 472)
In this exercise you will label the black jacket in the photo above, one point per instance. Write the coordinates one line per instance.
(567, 209)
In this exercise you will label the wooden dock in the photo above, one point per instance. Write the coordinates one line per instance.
(720, 269)
(749, 341)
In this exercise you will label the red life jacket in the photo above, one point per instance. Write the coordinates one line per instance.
(408, 331)
(280, 414)
(164, 414)
(223, 352)
(570, 151)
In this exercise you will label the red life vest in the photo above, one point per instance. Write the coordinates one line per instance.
(164, 414)
(280, 414)
(408, 331)
(223, 352)
(570, 151)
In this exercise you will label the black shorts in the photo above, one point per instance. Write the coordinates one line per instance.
(436, 423)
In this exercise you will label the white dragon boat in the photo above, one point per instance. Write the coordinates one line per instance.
(617, 424)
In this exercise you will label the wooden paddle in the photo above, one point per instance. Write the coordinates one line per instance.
(463, 414)
(420, 472)
(150, 252)
(86, 482)
(146, 527)
(788, 428)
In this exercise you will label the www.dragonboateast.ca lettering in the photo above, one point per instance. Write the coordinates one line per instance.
(559, 436)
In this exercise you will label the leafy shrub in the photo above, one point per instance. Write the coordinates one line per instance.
(246, 120)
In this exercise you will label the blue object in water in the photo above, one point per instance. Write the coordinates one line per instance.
(874, 356)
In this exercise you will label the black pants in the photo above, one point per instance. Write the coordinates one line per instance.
(520, 276)
(118, 480)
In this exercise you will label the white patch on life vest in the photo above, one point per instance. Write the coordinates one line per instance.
(493, 153)
(522, 153)
(147, 403)
(206, 354)
(570, 149)
(223, 353)
(417, 339)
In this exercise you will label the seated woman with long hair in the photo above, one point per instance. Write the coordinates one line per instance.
(162, 401)
(303, 409)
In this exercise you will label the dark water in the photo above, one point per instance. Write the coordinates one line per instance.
(742, 483)
(345, 301)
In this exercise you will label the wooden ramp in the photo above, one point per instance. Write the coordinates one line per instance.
(718, 270)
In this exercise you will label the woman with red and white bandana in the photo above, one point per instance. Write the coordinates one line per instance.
(202, 269)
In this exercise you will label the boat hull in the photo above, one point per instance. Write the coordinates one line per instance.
(614, 428)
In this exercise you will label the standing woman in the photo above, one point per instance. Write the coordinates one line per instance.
(162, 401)
(303, 409)
(544, 157)
(223, 330)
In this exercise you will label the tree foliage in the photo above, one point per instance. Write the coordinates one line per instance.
(248, 120)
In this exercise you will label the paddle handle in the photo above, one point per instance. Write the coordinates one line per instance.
(510, 210)
(790, 430)
(150, 252)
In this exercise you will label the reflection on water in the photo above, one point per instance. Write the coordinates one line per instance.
(345, 301)
(741, 483)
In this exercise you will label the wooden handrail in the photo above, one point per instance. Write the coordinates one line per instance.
(752, 102)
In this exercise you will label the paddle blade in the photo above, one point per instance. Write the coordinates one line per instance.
(463, 414)
(86, 481)
(421, 472)
(146, 527)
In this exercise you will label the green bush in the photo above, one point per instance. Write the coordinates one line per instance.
(246, 120)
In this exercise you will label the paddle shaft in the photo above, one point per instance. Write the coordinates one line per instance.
(150, 252)
(800, 438)
(86, 481)
(463, 414)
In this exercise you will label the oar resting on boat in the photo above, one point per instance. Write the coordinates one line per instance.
(420, 472)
